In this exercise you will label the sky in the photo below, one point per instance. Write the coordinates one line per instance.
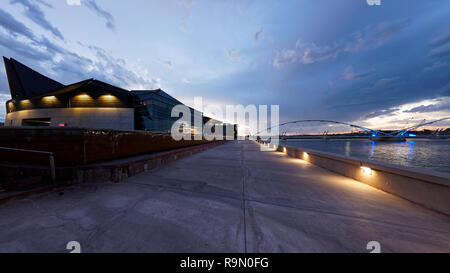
(375, 66)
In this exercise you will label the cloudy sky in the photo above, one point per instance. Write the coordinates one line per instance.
(377, 66)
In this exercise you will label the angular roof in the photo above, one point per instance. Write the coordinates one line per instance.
(159, 92)
(92, 83)
(26, 83)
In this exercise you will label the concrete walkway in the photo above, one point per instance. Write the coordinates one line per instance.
(232, 198)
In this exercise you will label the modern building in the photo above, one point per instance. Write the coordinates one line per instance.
(40, 101)
(37, 100)
(154, 111)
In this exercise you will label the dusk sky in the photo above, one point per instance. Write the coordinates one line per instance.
(375, 66)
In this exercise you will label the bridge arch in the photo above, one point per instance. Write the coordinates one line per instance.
(378, 133)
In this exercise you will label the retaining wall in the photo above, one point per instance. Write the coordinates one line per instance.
(17, 177)
(81, 146)
(425, 187)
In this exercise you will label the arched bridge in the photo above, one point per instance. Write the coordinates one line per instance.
(374, 133)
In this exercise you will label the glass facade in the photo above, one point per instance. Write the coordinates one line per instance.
(154, 111)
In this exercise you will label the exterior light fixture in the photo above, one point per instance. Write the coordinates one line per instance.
(284, 150)
(49, 98)
(83, 96)
(10, 106)
(305, 154)
(367, 170)
(108, 97)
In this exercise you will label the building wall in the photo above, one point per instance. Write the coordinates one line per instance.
(87, 117)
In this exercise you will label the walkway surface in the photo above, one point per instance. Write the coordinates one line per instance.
(232, 198)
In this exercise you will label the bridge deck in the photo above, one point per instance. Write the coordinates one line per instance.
(232, 198)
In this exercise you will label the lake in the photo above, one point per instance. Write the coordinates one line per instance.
(430, 154)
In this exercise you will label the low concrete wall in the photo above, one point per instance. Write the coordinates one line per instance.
(119, 170)
(82, 146)
(428, 188)
(18, 177)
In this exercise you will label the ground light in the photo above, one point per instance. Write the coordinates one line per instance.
(367, 170)
(305, 155)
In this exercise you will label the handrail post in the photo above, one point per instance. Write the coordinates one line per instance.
(50, 158)
(52, 167)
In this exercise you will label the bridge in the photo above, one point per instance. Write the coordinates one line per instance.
(374, 134)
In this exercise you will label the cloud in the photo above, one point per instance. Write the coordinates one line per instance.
(167, 64)
(383, 112)
(441, 104)
(10, 24)
(187, 10)
(23, 48)
(436, 65)
(35, 14)
(73, 2)
(440, 40)
(428, 108)
(44, 3)
(439, 52)
(110, 21)
(372, 36)
(350, 75)
(385, 82)
(233, 55)
(440, 45)
(118, 71)
(257, 35)
(284, 57)
(67, 66)
(381, 94)
(3, 99)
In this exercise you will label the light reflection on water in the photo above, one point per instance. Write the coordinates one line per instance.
(424, 153)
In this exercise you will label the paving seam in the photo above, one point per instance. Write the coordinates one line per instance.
(244, 178)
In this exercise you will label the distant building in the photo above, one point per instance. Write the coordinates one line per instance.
(40, 101)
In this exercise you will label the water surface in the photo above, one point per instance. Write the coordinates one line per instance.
(423, 153)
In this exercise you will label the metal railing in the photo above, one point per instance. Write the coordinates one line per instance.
(50, 157)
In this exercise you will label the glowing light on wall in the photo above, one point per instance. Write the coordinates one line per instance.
(83, 97)
(108, 97)
(10, 106)
(284, 150)
(367, 170)
(49, 98)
